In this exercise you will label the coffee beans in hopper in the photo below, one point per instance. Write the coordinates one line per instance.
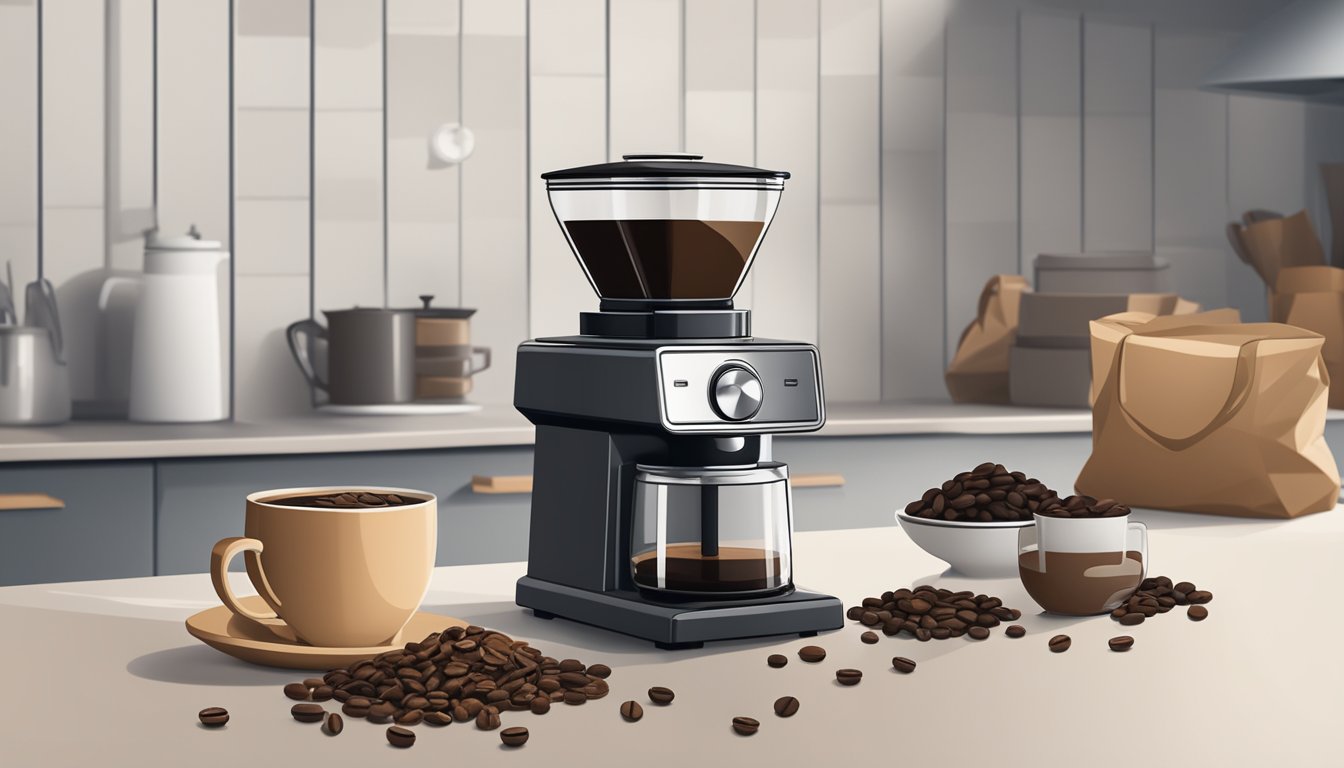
(746, 726)
(213, 717)
(986, 494)
(1159, 595)
(927, 613)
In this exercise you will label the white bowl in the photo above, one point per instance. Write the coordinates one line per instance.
(979, 550)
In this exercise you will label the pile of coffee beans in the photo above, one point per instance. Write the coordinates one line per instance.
(927, 613)
(989, 493)
(1159, 595)
(348, 500)
(461, 675)
(1085, 506)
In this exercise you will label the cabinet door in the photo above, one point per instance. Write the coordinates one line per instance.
(104, 531)
(202, 500)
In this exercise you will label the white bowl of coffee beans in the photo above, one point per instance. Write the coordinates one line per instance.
(972, 520)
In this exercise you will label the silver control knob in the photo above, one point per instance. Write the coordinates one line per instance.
(736, 394)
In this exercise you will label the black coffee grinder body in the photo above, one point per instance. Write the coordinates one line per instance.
(657, 508)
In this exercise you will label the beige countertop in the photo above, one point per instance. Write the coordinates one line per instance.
(103, 673)
(493, 425)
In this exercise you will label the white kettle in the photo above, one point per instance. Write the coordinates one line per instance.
(177, 369)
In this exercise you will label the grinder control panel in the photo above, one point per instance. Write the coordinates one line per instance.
(741, 389)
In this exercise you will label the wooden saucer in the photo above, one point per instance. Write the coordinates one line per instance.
(222, 630)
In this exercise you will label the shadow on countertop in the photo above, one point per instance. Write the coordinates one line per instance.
(201, 665)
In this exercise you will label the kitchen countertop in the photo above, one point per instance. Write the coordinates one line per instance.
(493, 425)
(104, 673)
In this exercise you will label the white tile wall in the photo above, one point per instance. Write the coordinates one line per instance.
(645, 87)
(1050, 138)
(18, 142)
(1118, 136)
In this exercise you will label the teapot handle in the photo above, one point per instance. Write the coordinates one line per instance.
(308, 329)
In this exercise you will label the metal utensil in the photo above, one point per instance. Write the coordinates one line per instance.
(40, 312)
(8, 314)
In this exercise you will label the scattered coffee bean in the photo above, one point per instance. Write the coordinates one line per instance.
(746, 726)
(540, 705)
(661, 695)
(307, 712)
(400, 737)
(1060, 643)
(903, 665)
(1197, 613)
(333, 725)
(928, 613)
(297, 691)
(487, 720)
(575, 698)
(986, 494)
(441, 718)
(786, 706)
(848, 676)
(322, 693)
(1121, 644)
(631, 711)
(513, 737)
(978, 632)
(601, 671)
(213, 717)
(777, 660)
(869, 637)
(1158, 595)
(382, 712)
(812, 653)
(1132, 619)
(313, 682)
(1015, 630)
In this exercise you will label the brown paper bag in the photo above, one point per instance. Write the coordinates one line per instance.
(1333, 176)
(978, 372)
(1313, 298)
(1201, 413)
(1272, 244)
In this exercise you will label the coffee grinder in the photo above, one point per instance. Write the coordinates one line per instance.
(657, 509)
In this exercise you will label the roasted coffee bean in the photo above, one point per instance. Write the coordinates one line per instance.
(1199, 597)
(1197, 613)
(746, 726)
(307, 712)
(854, 613)
(297, 691)
(571, 665)
(487, 720)
(848, 676)
(661, 695)
(322, 693)
(1015, 630)
(812, 653)
(513, 737)
(438, 719)
(786, 706)
(1184, 587)
(575, 698)
(631, 711)
(213, 717)
(1121, 644)
(600, 671)
(777, 660)
(978, 632)
(928, 613)
(333, 725)
(869, 637)
(573, 679)
(1132, 619)
(1060, 643)
(357, 706)
(409, 717)
(540, 705)
(400, 737)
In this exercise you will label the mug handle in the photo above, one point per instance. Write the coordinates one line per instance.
(1132, 528)
(224, 552)
(484, 352)
(1028, 536)
(308, 329)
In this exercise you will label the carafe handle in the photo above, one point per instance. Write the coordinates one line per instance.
(484, 353)
(298, 347)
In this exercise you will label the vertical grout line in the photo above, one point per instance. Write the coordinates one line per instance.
(755, 105)
(527, 163)
(1152, 133)
(1017, 77)
(41, 191)
(461, 120)
(1082, 133)
(312, 162)
(817, 263)
(154, 514)
(946, 315)
(881, 205)
(154, 113)
(681, 75)
(233, 235)
(606, 73)
(386, 225)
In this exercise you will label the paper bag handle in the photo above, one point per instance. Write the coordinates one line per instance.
(1236, 398)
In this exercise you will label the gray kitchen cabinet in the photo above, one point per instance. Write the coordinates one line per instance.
(104, 531)
(202, 500)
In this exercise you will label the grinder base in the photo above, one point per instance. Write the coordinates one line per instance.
(683, 624)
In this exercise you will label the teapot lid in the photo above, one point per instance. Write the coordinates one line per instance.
(191, 241)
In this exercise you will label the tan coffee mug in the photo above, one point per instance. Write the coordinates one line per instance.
(343, 577)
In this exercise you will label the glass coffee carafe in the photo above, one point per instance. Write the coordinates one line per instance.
(712, 531)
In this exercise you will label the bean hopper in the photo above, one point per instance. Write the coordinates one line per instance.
(657, 510)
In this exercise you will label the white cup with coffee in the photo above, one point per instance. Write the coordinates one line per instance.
(341, 567)
(1082, 566)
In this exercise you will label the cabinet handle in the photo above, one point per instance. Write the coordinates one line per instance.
(501, 483)
(818, 480)
(17, 501)
(523, 483)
